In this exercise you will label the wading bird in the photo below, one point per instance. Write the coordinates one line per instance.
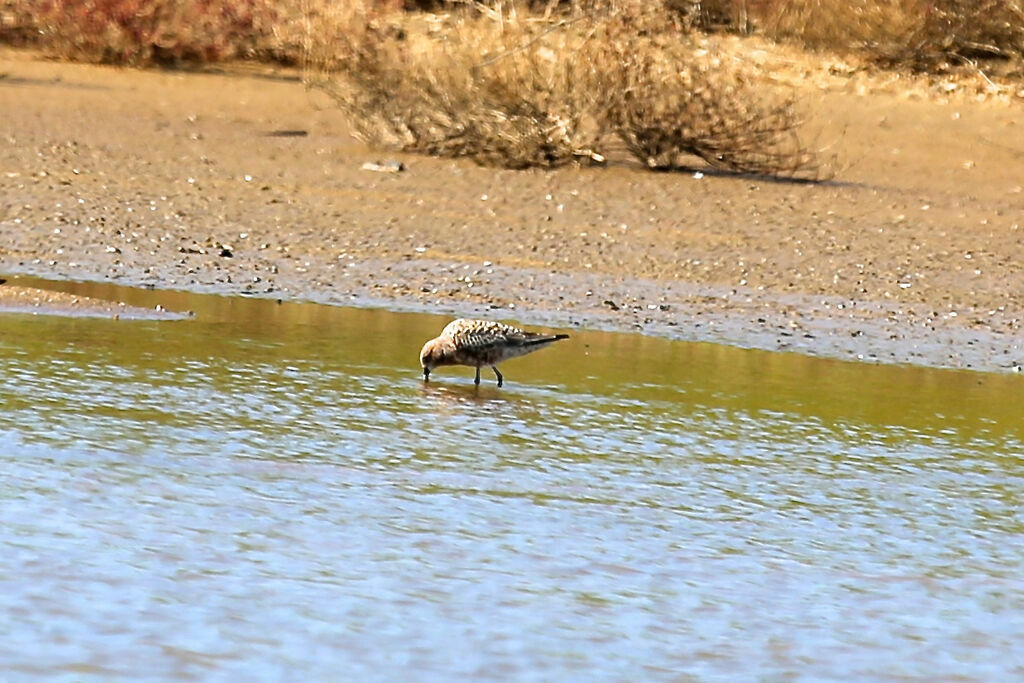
(477, 343)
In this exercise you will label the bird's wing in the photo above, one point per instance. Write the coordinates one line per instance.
(480, 335)
(464, 326)
(480, 340)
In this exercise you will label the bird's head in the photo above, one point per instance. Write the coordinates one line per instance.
(434, 353)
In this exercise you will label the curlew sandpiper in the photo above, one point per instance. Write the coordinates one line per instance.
(477, 343)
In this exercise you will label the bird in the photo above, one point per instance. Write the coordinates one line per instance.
(477, 343)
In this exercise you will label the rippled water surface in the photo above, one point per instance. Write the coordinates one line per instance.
(270, 492)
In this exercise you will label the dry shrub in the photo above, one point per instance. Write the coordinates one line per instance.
(672, 97)
(502, 93)
(837, 24)
(142, 32)
(541, 93)
(966, 29)
(922, 34)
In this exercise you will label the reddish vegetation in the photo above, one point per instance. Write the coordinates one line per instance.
(141, 32)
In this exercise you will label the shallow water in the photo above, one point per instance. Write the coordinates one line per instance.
(269, 492)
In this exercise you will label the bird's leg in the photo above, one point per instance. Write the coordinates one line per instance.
(498, 374)
(477, 380)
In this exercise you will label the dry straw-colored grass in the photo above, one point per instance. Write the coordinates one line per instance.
(670, 98)
(519, 90)
(920, 34)
(428, 87)
(965, 30)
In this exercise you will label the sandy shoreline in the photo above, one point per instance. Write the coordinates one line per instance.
(34, 301)
(184, 181)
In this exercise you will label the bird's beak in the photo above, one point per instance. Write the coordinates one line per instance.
(426, 374)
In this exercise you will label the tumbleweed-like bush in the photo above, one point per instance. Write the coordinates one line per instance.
(964, 30)
(499, 92)
(672, 97)
(920, 34)
(524, 91)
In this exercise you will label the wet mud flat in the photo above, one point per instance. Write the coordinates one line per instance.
(914, 254)
(15, 298)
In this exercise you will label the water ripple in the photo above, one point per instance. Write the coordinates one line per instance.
(209, 500)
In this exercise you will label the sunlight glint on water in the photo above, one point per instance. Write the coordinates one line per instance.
(270, 492)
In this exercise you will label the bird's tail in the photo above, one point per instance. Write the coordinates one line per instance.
(545, 339)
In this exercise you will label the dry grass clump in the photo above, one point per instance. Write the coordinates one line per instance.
(965, 29)
(670, 97)
(526, 91)
(144, 32)
(841, 25)
(463, 86)
(922, 34)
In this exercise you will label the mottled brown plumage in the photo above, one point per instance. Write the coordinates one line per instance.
(477, 343)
